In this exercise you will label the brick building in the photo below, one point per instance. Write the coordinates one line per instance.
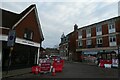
(94, 38)
(52, 51)
(99, 37)
(63, 46)
(28, 40)
(68, 45)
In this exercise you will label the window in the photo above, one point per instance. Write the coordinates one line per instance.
(88, 32)
(99, 40)
(28, 34)
(80, 34)
(111, 27)
(80, 43)
(99, 29)
(89, 42)
(112, 39)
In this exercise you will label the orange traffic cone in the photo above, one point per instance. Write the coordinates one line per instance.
(53, 72)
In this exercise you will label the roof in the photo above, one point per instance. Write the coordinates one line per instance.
(98, 22)
(11, 19)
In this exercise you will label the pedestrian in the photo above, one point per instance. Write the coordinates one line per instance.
(98, 60)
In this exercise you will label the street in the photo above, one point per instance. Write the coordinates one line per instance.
(76, 70)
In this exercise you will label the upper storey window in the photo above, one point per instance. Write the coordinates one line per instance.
(99, 30)
(28, 34)
(80, 34)
(111, 27)
(88, 32)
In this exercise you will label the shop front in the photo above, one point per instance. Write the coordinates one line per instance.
(22, 56)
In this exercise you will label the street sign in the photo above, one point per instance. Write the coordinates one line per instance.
(11, 38)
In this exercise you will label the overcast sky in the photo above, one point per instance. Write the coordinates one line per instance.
(58, 17)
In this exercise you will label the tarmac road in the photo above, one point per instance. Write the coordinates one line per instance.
(76, 70)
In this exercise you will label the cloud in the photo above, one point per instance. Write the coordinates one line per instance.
(63, 16)
(59, 17)
(59, 1)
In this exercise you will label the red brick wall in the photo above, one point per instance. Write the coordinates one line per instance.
(72, 42)
(118, 39)
(117, 25)
(105, 29)
(83, 33)
(76, 37)
(105, 41)
(4, 31)
(93, 42)
(84, 43)
(30, 23)
(93, 31)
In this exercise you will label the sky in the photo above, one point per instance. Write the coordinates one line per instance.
(58, 17)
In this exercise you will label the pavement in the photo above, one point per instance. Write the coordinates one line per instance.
(16, 72)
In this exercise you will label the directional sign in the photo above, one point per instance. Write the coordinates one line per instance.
(11, 38)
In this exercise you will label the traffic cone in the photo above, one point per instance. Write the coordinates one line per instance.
(53, 72)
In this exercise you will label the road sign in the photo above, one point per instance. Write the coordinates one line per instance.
(11, 38)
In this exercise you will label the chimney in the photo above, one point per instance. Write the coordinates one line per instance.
(75, 27)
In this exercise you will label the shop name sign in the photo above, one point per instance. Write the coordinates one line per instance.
(28, 42)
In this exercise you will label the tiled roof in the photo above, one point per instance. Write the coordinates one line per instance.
(10, 18)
